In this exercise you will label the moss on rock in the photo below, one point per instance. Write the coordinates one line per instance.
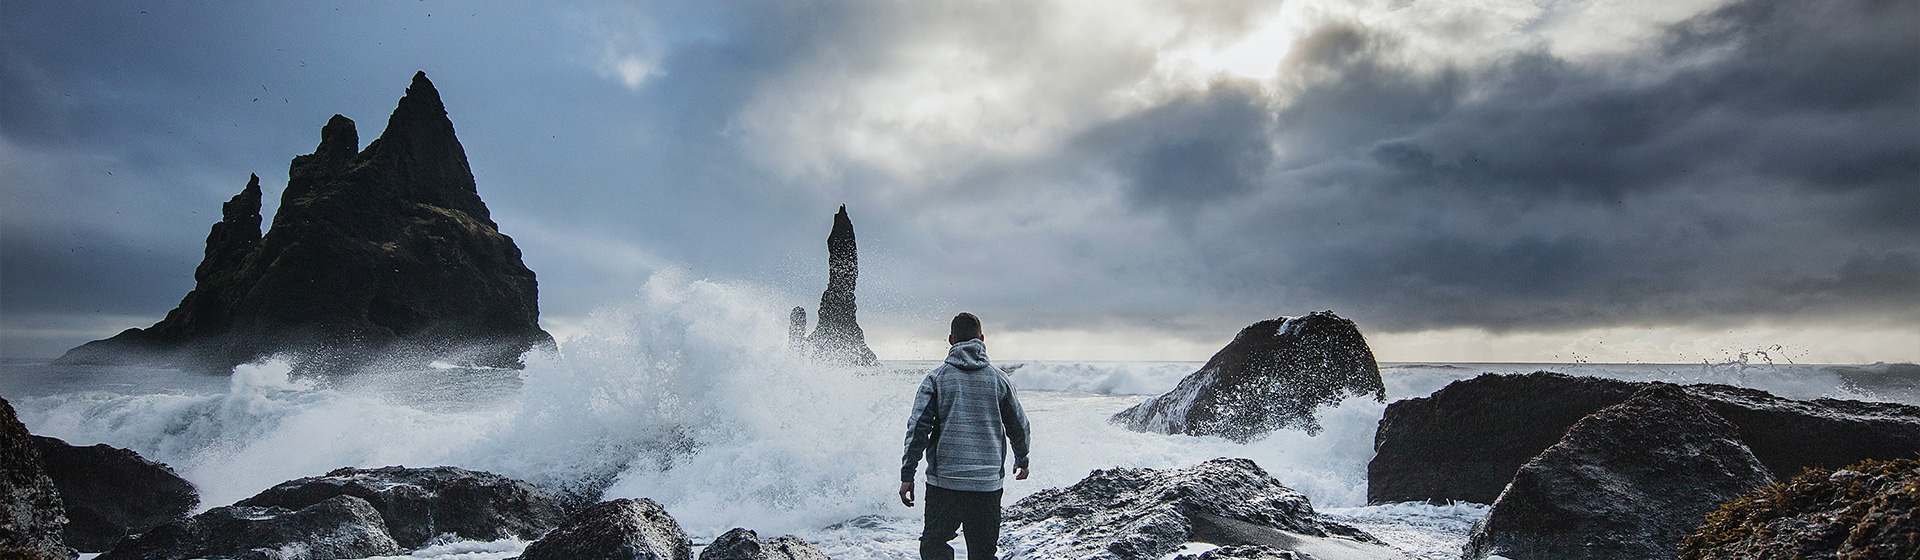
(1870, 510)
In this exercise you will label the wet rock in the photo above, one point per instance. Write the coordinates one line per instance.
(837, 337)
(1627, 482)
(744, 544)
(1272, 376)
(341, 527)
(1466, 440)
(623, 529)
(29, 502)
(386, 252)
(1790, 436)
(1136, 514)
(418, 504)
(111, 492)
(1867, 511)
(1246, 552)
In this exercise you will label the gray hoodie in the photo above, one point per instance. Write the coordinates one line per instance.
(963, 418)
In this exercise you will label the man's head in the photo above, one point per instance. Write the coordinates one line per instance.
(966, 327)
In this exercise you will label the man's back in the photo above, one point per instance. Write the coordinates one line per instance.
(964, 415)
(967, 412)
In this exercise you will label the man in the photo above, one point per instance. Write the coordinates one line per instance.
(962, 420)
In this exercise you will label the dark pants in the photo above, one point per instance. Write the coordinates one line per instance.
(947, 510)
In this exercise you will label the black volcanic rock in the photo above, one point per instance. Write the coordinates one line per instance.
(623, 529)
(1625, 483)
(1466, 440)
(1138, 514)
(385, 252)
(837, 337)
(422, 503)
(111, 492)
(1790, 436)
(342, 527)
(1272, 376)
(1242, 552)
(1867, 511)
(31, 517)
(743, 544)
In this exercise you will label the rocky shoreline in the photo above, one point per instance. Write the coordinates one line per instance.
(1630, 479)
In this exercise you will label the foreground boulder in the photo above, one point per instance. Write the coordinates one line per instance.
(1242, 552)
(386, 251)
(419, 504)
(111, 492)
(623, 529)
(1867, 511)
(1626, 483)
(1136, 514)
(31, 518)
(340, 527)
(837, 337)
(1273, 375)
(744, 544)
(1466, 440)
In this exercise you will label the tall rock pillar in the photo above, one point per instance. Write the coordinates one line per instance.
(837, 337)
(797, 329)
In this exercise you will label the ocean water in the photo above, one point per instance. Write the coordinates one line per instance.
(687, 395)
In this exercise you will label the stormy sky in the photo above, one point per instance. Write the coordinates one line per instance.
(1498, 180)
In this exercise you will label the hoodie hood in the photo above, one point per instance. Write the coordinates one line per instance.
(968, 355)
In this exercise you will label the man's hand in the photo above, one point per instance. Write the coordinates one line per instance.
(906, 493)
(1019, 473)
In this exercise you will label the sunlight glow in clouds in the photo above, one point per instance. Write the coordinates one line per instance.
(1256, 55)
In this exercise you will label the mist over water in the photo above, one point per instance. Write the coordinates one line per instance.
(687, 394)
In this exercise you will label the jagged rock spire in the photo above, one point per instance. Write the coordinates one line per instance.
(235, 235)
(338, 140)
(385, 253)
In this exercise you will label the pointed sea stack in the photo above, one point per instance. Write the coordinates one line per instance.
(383, 254)
(797, 329)
(837, 337)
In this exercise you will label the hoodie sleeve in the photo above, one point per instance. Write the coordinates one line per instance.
(1015, 420)
(920, 426)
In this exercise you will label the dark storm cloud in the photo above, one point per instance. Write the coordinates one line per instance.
(1193, 151)
(1763, 164)
(70, 272)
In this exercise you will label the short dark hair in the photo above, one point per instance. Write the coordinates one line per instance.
(965, 327)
